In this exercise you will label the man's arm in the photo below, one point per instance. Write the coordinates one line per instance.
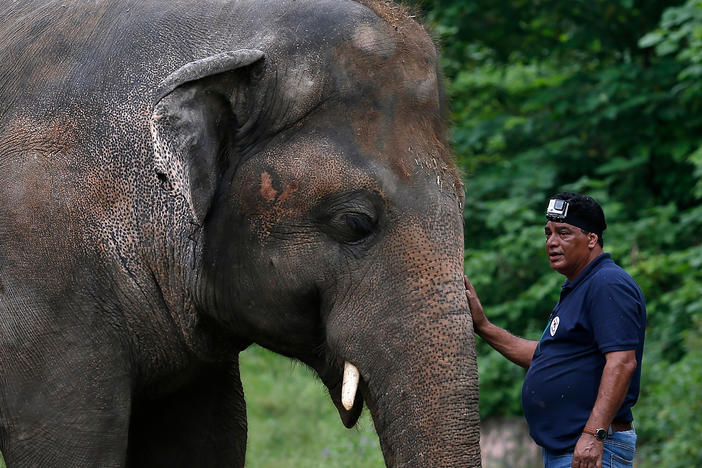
(518, 350)
(616, 376)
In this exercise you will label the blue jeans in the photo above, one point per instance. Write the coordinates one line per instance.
(619, 449)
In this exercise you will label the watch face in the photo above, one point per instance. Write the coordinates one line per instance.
(600, 434)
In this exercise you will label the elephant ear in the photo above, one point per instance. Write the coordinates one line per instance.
(193, 126)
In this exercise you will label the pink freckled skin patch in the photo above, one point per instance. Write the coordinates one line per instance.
(267, 190)
(288, 192)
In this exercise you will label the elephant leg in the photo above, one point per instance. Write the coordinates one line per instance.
(202, 424)
(65, 407)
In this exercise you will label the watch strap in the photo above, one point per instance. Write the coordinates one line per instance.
(597, 433)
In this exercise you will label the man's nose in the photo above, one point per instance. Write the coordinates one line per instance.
(551, 240)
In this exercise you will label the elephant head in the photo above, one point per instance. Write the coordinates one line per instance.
(323, 219)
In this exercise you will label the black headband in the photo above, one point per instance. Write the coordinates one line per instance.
(584, 224)
(560, 211)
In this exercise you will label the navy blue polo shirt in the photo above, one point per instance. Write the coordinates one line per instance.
(601, 311)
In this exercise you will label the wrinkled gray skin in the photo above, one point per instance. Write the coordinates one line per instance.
(179, 180)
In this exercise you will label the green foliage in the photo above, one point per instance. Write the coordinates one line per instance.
(670, 408)
(474, 32)
(674, 403)
(601, 97)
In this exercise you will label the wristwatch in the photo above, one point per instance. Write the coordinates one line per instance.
(599, 434)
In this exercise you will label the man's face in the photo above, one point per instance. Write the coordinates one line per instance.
(569, 250)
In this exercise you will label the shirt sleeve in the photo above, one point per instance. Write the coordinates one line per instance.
(616, 315)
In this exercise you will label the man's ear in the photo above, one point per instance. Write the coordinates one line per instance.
(592, 240)
(193, 126)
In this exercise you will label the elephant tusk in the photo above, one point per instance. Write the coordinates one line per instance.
(349, 385)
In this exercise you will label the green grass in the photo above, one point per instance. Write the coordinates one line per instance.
(292, 421)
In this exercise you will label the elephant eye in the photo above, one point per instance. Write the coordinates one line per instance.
(351, 219)
(360, 226)
(350, 227)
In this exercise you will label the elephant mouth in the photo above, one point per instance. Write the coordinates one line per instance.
(349, 407)
(348, 404)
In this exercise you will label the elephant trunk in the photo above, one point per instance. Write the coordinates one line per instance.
(418, 377)
(426, 409)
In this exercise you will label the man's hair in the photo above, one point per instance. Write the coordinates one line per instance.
(585, 208)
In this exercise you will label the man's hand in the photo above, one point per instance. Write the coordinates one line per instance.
(476, 309)
(518, 350)
(588, 452)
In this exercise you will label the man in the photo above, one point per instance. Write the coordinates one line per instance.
(583, 374)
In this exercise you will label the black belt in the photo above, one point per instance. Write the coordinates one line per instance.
(620, 426)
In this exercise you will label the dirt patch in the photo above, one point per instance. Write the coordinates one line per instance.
(505, 443)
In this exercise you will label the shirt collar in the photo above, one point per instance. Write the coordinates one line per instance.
(568, 286)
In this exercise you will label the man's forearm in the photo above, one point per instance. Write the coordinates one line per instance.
(516, 349)
(616, 377)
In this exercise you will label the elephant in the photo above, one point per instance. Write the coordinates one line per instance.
(181, 179)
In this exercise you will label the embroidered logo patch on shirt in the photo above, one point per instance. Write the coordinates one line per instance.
(554, 325)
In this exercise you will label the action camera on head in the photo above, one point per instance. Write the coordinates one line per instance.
(557, 210)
